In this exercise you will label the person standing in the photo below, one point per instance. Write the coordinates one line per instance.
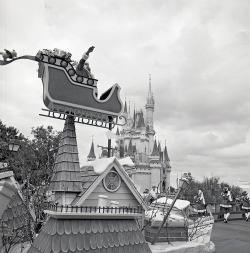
(246, 204)
(153, 194)
(226, 203)
(200, 203)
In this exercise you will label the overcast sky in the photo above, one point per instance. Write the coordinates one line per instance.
(197, 53)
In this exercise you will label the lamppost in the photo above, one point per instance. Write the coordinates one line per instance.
(183, 183)
(13, 146)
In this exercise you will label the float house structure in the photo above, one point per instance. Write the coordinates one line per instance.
(94, 209)
(15, 217)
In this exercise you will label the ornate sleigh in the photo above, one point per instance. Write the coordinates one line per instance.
(67, 93)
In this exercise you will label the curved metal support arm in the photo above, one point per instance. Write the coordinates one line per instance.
(27, 57)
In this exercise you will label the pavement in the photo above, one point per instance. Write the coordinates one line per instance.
(231, 237)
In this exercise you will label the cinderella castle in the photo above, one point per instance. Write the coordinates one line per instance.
(149, 164)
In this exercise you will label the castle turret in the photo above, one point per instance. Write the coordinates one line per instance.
(166, 171)
(91, 156)
(155, 166)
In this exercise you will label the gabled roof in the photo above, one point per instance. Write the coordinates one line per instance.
(93, 173)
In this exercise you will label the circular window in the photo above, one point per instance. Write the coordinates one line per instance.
(112, 181)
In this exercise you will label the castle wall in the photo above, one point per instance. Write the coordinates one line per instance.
(155, 176)
(142, 181)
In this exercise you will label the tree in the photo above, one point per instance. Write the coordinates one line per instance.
(38, 160)
(32, 164)
(211, 188)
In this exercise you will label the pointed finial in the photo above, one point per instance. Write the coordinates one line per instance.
(150, 83)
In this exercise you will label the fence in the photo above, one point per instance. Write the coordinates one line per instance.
(94, 209)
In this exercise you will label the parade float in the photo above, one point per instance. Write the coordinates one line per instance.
(97, 208)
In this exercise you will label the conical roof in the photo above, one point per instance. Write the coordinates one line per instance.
(155, 151)
(66, 176)
(125, 107)
(134, 120)
(166, 158)
(91, 152)
(159, 147)
(130, 149)
(140, 121)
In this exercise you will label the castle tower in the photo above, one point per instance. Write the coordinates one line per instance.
(91, 156)
(137, 140)
(149, 117)
(155, 167)
(167, 168)
(130, 152)
(66, 177)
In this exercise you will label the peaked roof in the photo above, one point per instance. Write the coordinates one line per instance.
(155, 151)
(125, 107)
(117, 131)
(140, 121)
(93, 173)
(66, 175)
(134, 119)
(92, 151)
(159, 147)
(166, 158)
(150, 98)
(161, 156)
(130, 149)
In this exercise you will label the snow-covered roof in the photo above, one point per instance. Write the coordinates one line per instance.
(179, 204)
(99, 165)
(127, 161)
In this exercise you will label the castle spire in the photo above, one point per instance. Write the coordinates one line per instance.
(130, 149)
(125, 107)
(166, 158)
(149, 90)
(91, 156)
(155, 151)
(134, 119)
(150, 98)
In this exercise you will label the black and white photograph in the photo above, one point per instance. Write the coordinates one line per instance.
(124, 126)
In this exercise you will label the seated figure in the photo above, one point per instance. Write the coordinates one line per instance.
(82, 67)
